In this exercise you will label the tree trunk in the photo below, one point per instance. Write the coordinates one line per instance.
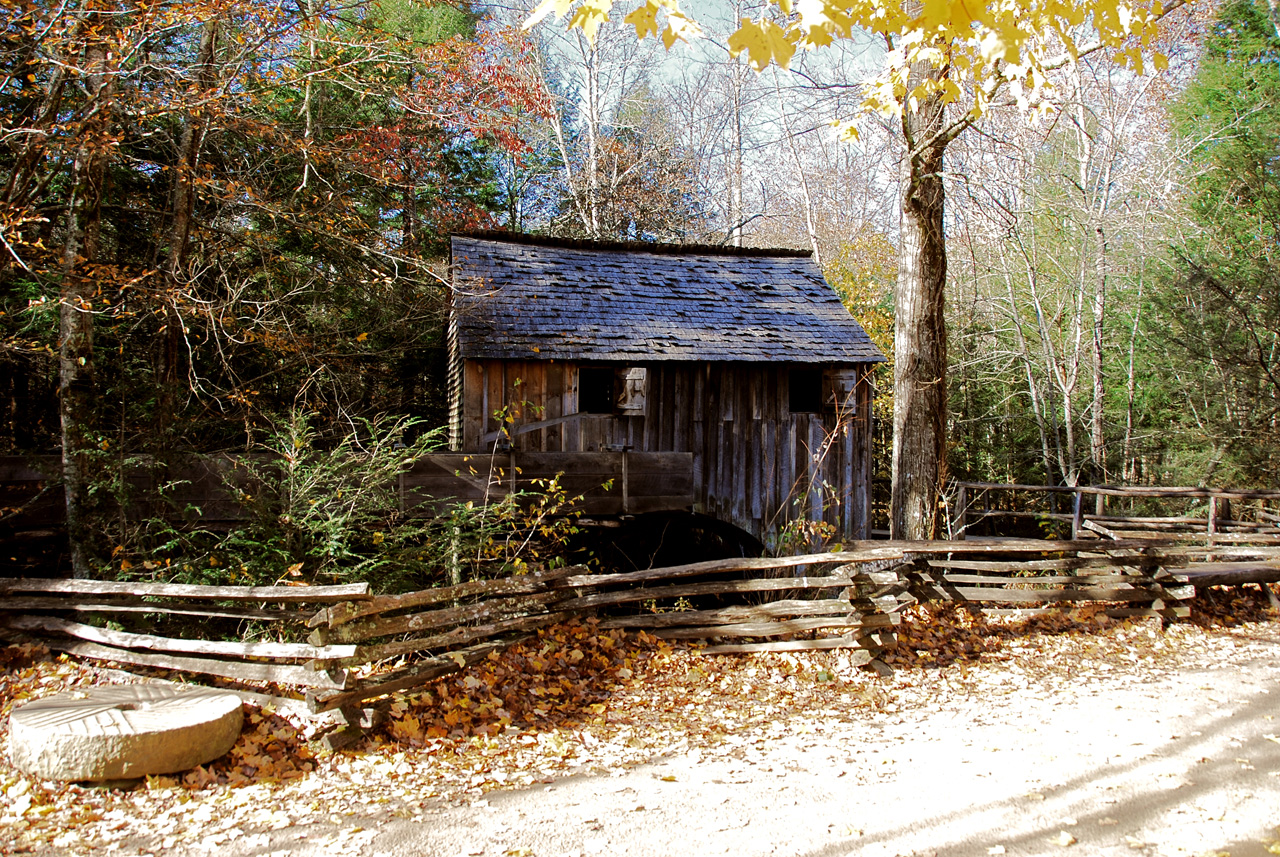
(76, 392)
(920, 334)
(1097, 425)
(178, 240)
(735, 160)
(1094, 197)
(801, 178)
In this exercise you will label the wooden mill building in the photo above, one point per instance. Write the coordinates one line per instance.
(737, 372)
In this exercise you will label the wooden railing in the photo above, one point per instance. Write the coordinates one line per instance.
(1249, 513)
(39, 608)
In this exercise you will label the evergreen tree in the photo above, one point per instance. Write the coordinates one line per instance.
(1224, 297)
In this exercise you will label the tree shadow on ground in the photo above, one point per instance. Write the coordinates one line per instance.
(1220, 758)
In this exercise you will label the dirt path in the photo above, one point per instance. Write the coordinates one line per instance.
(1086, 737)
(1184, 764)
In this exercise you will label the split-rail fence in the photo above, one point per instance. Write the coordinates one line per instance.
(342, 647)
(1117, 511)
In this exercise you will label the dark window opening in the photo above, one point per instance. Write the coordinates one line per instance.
(595, 390)
(806, 391)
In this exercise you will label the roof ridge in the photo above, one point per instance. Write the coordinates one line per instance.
(634, 246)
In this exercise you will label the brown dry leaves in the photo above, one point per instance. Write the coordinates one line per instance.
(568, 673)
(578, 698)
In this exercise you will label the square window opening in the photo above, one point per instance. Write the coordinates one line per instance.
(805, 391)
(595, 390)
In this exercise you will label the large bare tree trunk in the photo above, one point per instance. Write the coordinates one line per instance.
(75, 317)
(920, 334)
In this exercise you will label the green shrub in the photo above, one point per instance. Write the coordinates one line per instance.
(323, 513)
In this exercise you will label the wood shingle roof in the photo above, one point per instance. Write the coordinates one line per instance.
(521, 300)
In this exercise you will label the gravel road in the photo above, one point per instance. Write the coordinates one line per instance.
(1179, 761)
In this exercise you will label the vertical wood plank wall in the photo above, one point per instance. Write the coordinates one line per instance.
(753, 459)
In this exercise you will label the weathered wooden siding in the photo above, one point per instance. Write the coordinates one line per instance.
(753, 460)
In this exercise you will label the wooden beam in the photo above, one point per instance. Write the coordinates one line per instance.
(715, 587)
(141, 605)
(973, 593)
(217, 648)
(859, 657)
(1084, 562)
(435, 619)
(283, 594)
(238, 670)
(539, 581)
(410, 677)
(745, 564)
(1093, 526)
(1128, 491)
(750, 629)
(526, 428)
(1229, 573)
(455, 637)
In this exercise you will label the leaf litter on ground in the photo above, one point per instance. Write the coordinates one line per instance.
(580, 698)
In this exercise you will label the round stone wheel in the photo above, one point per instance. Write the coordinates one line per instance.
(116, 732)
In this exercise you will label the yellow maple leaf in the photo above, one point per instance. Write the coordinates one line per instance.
(764, 43)
(934, 13)
(645, 20)
(590, 16)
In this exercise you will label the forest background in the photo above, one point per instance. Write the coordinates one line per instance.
(224, 224)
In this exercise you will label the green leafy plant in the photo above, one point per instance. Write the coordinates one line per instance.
(322, 510)
(331, 512)
(519, 529)
(801, 535)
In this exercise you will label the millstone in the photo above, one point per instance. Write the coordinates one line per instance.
(122, 731)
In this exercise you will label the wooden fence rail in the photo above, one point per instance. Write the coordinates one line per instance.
(268, 662)
(359, 647)
(973, 503)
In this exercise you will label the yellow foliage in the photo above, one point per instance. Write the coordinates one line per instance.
(979, 47)
(765, 42)
(862, 274)
(591, 14)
